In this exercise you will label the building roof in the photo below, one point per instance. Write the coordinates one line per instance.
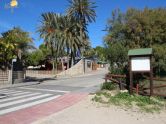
(101, 62)
(142, 51)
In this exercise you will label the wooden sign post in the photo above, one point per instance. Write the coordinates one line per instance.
(140, 62)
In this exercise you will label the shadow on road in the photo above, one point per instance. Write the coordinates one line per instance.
(34, 79)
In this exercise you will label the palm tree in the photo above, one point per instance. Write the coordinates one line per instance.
(82, 10)
(62, 33)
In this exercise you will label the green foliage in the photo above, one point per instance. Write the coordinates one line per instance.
(108, 86)
(45, 50)
(35, 58)
(62, 33)
(14, 43)
(144, 103)
(68, 32)
(159, 62)
(89, 52)
(137, 29)
(82, 10)
(39, 56)
(117, 56)
(100, 53)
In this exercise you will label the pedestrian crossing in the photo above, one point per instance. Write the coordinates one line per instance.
(30, 88)
(16, 99)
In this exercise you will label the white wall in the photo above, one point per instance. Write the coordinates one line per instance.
(75, 70)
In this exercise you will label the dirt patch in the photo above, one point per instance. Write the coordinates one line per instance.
(89, 112)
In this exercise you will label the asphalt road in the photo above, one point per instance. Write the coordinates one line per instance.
(16, 98)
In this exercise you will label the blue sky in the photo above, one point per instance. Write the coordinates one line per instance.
(27, 15)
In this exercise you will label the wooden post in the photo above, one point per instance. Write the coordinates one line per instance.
(151, 77)
(120, 84)
(105, 79)
(131, 83)
(131, 77)
(137, 88)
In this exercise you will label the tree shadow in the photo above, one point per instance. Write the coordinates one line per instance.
(34, 79)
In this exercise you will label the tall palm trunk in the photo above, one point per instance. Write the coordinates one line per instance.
(56, 64)
(62, 63)
(53, 64)
(72, 58)
(68, 50)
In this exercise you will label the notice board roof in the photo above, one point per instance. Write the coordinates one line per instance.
(142, 51)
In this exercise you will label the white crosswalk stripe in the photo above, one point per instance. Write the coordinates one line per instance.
(22, 98)
(27, 105)
(61, 91)
(10, 92)
(21, 93)
(18, 97)
(16, 94)
(5, 90)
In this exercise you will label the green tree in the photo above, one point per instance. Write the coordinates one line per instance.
(89, 52)
(139, 29)
(100, 53)
(38, 56)
(117, 57)
(19, 39)
(61, 33)
(159, 61)
(82, 10)
(84, 13)
(14, 43)
(68, 33)
(6, 53)
(35, 58)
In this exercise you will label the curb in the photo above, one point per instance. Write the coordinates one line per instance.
(20, 85)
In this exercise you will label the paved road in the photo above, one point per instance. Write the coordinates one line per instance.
(23, 97)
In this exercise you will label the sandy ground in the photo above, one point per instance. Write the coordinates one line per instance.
(88, 112)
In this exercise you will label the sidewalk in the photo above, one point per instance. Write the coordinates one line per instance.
(89, 112)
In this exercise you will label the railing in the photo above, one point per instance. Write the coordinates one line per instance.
(159, 87)
(141, 89)
(116, 79)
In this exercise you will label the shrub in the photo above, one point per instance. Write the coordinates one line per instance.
(108, 86)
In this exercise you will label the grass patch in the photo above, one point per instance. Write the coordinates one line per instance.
(143, 103)
(108, 86)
